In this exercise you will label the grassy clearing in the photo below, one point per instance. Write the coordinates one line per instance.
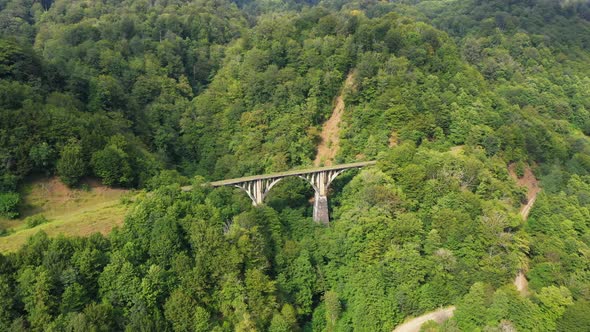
(73, 212)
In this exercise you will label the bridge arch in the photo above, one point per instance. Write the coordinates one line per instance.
(292, 191)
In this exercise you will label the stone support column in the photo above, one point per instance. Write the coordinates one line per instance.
(320, 209)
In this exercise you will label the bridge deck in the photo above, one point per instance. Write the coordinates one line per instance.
(287, 173)
(290, 173)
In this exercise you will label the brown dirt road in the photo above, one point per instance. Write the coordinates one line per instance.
(528, 181)
(330, 139)
(439, 316)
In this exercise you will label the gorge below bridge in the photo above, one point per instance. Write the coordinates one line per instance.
(320, 178)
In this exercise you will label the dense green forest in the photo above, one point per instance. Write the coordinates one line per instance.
(156, 94)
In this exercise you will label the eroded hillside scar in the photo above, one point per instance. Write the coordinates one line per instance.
(330, 140)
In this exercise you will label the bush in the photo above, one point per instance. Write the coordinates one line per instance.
(42, 157)
(71, 166)
(165, 178)
(112, 165)
(127, 199)
(8, 204)
(8, 182)
(35, 220)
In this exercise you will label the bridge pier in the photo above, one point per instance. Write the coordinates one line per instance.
(320, 209)
(320, 181)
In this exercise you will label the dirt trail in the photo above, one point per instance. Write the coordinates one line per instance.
(529, 181)
(438, 316)
(329, 143)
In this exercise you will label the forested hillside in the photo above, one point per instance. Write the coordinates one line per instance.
(157, 94)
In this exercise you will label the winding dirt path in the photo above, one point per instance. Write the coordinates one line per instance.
(438, 316)
(531, 183)
(330, 139)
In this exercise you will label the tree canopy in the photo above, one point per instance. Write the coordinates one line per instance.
(445, 96)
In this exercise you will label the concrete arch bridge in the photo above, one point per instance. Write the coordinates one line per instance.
(320, 178)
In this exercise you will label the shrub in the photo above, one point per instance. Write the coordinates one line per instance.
(35, 220)
(8, 182)
(71, 166)
(165, 178)
(8, 204)
(112, 165)
(42, 157)
(127, 199)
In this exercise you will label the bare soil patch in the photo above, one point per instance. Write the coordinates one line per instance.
(414, 324)
(530, 183)
(521, 283)
(330, 139)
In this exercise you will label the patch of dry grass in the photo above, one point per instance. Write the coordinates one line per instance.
(73, 212)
